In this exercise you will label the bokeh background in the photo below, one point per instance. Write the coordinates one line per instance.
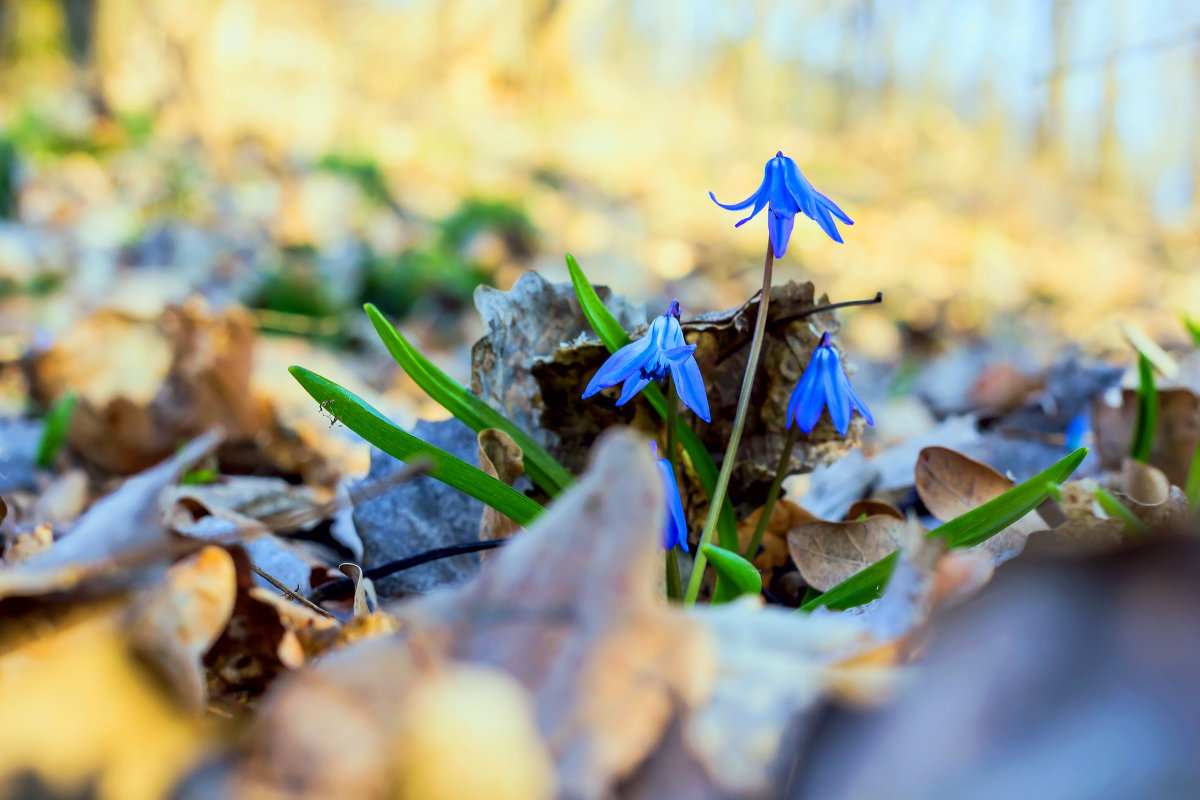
(1019, 168)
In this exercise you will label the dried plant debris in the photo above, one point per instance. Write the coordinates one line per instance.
(540, 353)
(624, 691)
(144, 388)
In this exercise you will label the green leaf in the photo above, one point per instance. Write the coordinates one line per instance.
(1147, 412)
(1193, 482)
(735, 575)
(614, 338)
(1119, 511)
(969, 529)
(1193, 329)
(541, 467)
(357, 415)
(57, 422)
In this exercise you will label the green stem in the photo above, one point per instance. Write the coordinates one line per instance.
(772, 493)
(735, 436)
(674, 589)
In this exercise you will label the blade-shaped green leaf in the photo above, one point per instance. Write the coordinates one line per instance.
(1192, 489)
(1147, 411)
(55, 432)
(358, 415)
(541, 467)
(969, 529)
(1193, 329)
(614, 338)
(1119, 511)
(735, 575)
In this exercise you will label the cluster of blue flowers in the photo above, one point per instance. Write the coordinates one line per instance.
(662, 352)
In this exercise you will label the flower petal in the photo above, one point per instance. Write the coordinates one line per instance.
(760, 195)
(681, 353)
(780, 228)
(836, 400)
(809, 397)
(690, 385)
(675, 523)
(856, 401)
(832, 206)
(827, 224)
(633, 385)
(620, 365)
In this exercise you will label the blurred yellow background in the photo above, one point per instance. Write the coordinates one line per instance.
(1033, 160)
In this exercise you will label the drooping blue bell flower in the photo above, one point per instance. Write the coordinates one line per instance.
(824, 385)
(1078, 428)
(785, 191)
(675, 524)
(659, 353)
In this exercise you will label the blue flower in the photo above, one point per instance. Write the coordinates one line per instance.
(659, 353)
(785, 191)
(824, 385)
(675, 525)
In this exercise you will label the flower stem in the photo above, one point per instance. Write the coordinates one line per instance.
(735, 435)
(772, 494)
(674, 589)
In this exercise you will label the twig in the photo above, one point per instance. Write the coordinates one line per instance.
(343, 586)
(808, 312)
(304, 601)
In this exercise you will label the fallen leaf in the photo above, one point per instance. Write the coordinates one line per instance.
(365, 601)
(127, 522)
(784, 516)
(873, 508)
(1145, 490)
(951, 484)
(80, 713)
(180, 619)
(469, 732)
(1087, 529)
(500, 457)
(827, 553)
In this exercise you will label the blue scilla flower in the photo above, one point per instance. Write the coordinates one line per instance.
(675, 525)
(824, 385)
(785, 191)
(651, 358)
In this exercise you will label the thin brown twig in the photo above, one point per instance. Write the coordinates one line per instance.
(282, 587)
(808, 312)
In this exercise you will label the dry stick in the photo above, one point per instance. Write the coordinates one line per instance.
(773, 492)
(304, 601)
(674, 590)
(808, 312)
(735, 436)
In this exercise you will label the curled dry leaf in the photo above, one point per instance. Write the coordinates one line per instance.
(1146, 491)
(951, 484)
(126, 523)
(827, 553)
(1175, 435)
(365, 600)
(144, 388)
(784, 516)
(1087, 529)
(540, 353)
(178, 620)
(500, 457)
(123, 736)
(267, 635)
(873, 508)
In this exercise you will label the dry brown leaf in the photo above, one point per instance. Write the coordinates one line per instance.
(62, 502)
(500, 457)
(827, 553)
(951, 484)
(365, 599)
(1176, 433)
(177, 621)
(469, 732)
(153, 388)
(1087, 529)
(1146, 491)
(79, 711)
(872, 508)
(784, 516)
(127, 522)
(24, 545)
